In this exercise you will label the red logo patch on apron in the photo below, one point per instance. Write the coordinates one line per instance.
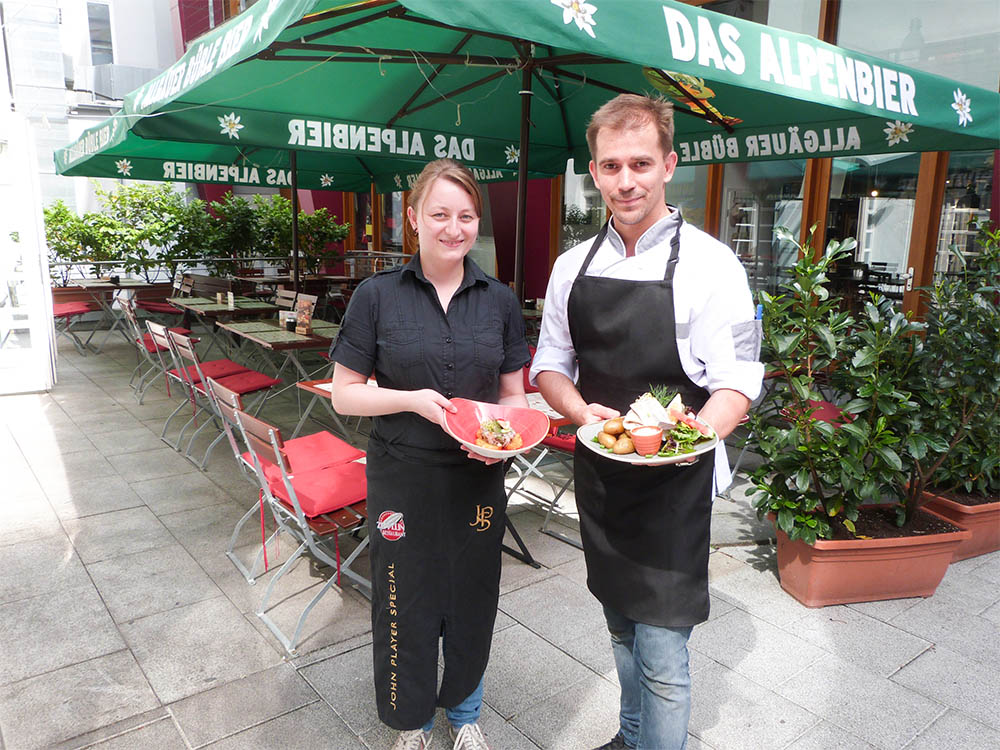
(390, 524)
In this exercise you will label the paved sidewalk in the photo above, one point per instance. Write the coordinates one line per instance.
(123, 624)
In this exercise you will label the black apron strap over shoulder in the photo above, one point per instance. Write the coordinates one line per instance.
(594, 247)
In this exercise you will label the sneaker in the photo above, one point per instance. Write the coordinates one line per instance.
(617, 743)
(413, 739)
(468, 737)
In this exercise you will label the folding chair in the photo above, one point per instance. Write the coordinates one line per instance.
(221, 368)
(244, 383)
(305, 453)
(314, 507)
(66, 315)
(557, 447)
(148, 366)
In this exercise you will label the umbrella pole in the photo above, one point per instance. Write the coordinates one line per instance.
(522, 183)
(295, 222)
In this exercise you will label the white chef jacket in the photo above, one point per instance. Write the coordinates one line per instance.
(718, 338)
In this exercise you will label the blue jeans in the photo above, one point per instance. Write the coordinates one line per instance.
(466, 712)
(652, 667)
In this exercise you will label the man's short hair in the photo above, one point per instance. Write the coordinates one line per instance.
(631, 111)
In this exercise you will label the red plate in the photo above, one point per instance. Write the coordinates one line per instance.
(531, 424)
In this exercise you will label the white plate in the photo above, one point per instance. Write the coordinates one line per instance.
(588, 432)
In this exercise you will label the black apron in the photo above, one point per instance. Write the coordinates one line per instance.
(435, 533)
(645, 529)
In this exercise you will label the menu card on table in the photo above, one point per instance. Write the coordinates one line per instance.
(303, 317)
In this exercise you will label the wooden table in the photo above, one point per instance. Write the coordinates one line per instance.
(103, 292)
(209, 312)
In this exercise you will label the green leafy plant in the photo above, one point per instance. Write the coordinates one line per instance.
(237, 234)
(318, 231)
(805, 459)
(960, 399)
(64, 238)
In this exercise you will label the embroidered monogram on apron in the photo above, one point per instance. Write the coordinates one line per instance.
(645, 529)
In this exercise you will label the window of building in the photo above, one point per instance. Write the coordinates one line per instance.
(99, 20)
(686, 190)
(800, 16)
(756, 198)
(958, 41)
(392, 222)
(583, 208)
(966, 207)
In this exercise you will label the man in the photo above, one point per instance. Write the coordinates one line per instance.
(650, 301)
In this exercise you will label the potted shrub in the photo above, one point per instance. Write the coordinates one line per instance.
(963, 321)
(836, 479)
(319, 238)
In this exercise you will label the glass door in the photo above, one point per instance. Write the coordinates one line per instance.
(27, 350)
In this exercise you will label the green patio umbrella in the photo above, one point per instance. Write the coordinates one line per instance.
(419, 79)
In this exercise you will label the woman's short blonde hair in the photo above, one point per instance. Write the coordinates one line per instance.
(447, 169)
(630, 111)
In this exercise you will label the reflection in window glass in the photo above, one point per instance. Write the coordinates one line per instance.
(686, 190)
(800, 16)
(392, 222)
(957, 41)
(484, 250)
(583, 209)
(966, 208)
(756, 198)
(872, 199)
(99, 19)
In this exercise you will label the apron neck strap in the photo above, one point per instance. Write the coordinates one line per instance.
(675, 245)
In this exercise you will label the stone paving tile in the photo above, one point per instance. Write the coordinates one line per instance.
(556, 609)
(176, 493)
(313, 726)
(159, 735)
(826, 736)
(205, 532)
(878, 710)
(855, 637)
(74, 699)
(988, 568)
(955, 731)
(189, 649)
(37, 567)
(575, 570)
(346, 682)
(154, 413)
(757, 593)
(54, 630)
(30, 518)
(126, 441)
(151, 581)
(241, 704)
(337, 616)
(593, 649)
(547, 550)
(40, 440)
(525, 669)
(945, 621)
(884, 610)
(121, 729)
(753, 647)
(955, 680)
(966, 588)
(117, 533)
(105, 423)
(992, 614)
(732, 712)
(88, 497)
(57, 474)
(584, 715)
(151, 464)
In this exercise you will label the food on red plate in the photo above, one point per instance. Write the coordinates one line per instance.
(498, 434)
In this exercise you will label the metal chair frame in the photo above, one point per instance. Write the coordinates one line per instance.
(294, 522)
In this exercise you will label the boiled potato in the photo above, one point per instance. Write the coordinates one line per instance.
(608, 441)
(623, 445)
(614, 426)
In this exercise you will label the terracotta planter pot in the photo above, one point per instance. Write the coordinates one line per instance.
(864, 570)
(982, 521)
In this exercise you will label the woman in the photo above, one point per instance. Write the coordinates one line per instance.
(434, 329)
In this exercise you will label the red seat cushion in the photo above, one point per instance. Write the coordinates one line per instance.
(147, 340)
(158, 307)
(215, 369)
(311, 452)
(70, 309)
(560, 441)
(325, 490)
(246, 382)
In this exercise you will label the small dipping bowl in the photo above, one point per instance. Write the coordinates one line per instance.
(647, 440)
